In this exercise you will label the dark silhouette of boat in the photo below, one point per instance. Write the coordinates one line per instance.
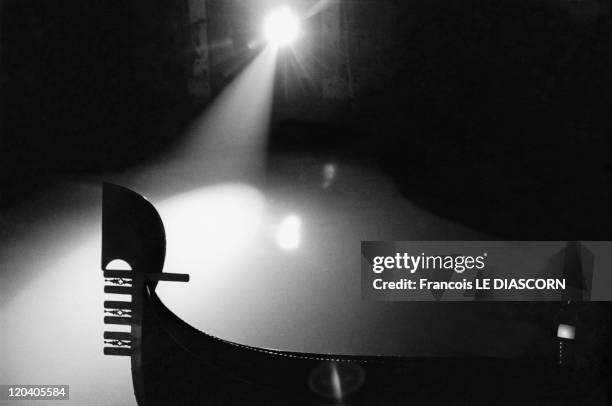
(173, 363)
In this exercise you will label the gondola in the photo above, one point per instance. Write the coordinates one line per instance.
(174, 363)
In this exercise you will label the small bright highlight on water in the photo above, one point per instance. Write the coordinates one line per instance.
(288, 234)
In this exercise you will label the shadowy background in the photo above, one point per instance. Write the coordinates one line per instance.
(496, 114)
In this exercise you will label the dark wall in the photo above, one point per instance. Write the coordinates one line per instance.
(495, 113)
(88, 84)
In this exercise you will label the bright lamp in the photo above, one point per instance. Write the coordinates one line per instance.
(281, 27)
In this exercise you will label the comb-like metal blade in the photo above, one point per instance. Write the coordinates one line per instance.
(122, 351)
(117, 335)
(121, 290)
(125, 321)
(114, 304)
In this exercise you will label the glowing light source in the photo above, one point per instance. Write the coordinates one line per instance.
(288, 234)
(281, 27)
(566, 331)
